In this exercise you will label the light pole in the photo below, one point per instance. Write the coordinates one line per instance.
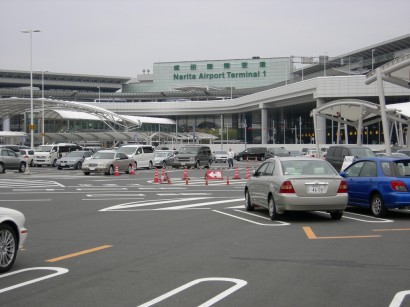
(31, 86)
(373, 50)
(42, 106)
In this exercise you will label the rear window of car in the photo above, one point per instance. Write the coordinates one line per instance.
(361, 152)
(302, 167)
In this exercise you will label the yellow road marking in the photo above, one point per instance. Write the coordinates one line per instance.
(397, 229)
(79, 253)
(311, 235)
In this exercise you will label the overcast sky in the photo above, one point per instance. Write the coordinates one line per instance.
(123, 37)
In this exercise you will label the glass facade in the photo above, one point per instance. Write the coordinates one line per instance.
(239, 74)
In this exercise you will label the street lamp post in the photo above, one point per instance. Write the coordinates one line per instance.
(42, 106)
(31, 87)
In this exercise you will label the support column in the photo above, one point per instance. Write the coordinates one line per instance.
(264, 125)
(382, 102)
(6, 124)
(320, 129)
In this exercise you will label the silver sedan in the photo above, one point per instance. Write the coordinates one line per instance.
(296, 184)
(106, 162)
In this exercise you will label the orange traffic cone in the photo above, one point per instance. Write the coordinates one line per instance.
(206, 180)
(117, 173)
(236, 175)
(185, 174)
(168, 179)
(248, 176)
(247, 160)
(227, 180)
(132, 172)
(156, 176)
(186, 180)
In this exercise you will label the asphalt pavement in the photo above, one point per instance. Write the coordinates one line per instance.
(128, 241)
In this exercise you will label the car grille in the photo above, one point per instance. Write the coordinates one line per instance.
(183, 159)
(93, 164)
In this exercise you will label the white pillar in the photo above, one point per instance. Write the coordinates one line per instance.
(264, 125)
(382, 102)
(6, 124)
(320, 129)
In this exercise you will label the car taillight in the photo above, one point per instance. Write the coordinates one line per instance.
(25, 157)
(342, 187)
(286, 187)
(398, 186)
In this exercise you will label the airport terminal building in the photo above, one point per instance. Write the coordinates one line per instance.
(254, 101)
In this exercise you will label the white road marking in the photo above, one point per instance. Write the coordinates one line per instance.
(203, 204)
(25, 200)
(59, 271)
(239, 283)
(124, 207)
(279, 223)
(399, 298)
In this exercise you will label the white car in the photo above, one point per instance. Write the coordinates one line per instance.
(13, 235)
(28, 156)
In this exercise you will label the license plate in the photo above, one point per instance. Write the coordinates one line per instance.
(316, 189)
(92, 168)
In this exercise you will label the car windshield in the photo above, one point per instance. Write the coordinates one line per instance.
(104, 155)
(44, 148)
(74, 154)
(362, 152)
(303, 167)
(221, 153)
(127, 150)
(188, 150)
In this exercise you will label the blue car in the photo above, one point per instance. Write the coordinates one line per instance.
(378, 183)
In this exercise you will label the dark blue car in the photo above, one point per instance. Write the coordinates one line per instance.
(379, 183)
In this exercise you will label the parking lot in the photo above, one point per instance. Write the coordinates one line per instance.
(129, 241)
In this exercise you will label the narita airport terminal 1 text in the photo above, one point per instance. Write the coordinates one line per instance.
(222, 75)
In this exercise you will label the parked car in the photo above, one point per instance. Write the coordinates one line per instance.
(49, 154)
(220, 156)
(277, 151)
(312, 153)
(163, 158)
(193, 156)
(379, 183)
(74, 159)
(295, 153)
(143, 155)
(336, 154)
(404, 151)
(252, 153)
(11, 160)
(296, 184)
(13, 235)
(105, 161)
(28, 155)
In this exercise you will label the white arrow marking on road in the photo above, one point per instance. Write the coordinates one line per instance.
(203, 204)
(399, 298)
(124, 207)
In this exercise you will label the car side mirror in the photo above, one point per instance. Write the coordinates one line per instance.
(343, 174)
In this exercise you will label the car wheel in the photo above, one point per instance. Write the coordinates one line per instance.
(336, 215)
(86, 173)
(8, 247)
(22, 167)
(164, 164)
(32, 163)
(110, 170)
(54, 163)
(248, 203)
(39, 165)
(59, 167)
(78, 165)
(2, 168)
(272, 209)
(150, 165)
(196, 164)
(377, 206)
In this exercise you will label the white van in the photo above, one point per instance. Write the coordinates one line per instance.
(49, 154)
(143, 155)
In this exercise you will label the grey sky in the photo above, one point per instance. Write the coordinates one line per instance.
(123, 37)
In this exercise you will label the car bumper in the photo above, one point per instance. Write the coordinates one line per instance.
(23, 237)
(66, 165)
(182, 164)
(295, 203)
(101, 170)
(397, 200)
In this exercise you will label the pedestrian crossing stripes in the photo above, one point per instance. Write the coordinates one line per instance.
(27, 183)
